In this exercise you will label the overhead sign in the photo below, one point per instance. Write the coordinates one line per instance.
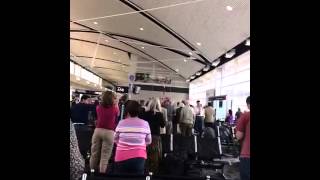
(122, 89)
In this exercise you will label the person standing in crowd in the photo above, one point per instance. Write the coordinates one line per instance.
(170, 114)
(243, 135)
(187, 120)
(165, 117)
(142, 109)
(132, 136)
(209, 116)
(177, 117)
(238, 114)
(80, 112)
(121, 103)
(103, 136)
(229, 118)
(76, 161)
(198, 109)
(156, 120)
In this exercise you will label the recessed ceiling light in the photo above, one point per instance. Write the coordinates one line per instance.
(188, 80)
(114, 53)
(78, 79)
(199, 43)
(192, 77)
(247, 42)
(142, 47)
(206, 68)
(141, 29)
(185, 60)
(229, 8)
(95, 22)
(215, 62)
(106, 40)
(177, 70)
(190, 53)
(119, 60)
(198, 73)
(231, 53)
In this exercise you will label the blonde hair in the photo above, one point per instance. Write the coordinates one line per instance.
(154, 105)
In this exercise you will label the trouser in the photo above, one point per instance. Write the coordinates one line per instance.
(130, 166)
(186, 129)
(199, 123)
(245, 168)
(169, 127)
(154, 151)
(175, 128)
(101, 149)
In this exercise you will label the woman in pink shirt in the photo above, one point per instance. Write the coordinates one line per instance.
(132, 136)
(103, 136)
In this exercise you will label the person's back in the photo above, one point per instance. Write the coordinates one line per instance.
(209, 115)
(186, 115)
(106, 117)
(243, 135)
(132, 136)
(79, 113)
(155, 120)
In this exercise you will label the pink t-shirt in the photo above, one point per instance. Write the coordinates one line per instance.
(107, 117)
(132, 136)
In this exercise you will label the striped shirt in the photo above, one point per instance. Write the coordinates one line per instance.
(132, 136)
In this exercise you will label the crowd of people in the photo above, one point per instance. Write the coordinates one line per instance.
(135, 128)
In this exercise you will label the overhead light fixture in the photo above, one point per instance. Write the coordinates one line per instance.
(190, 53)
(199, 43)
(122, 66)
(184, 60)
(142, 47)
(206, 68)
(106, 40)
(119, 60)
(188, 80)
(95, 22)
(247, 42)
(192, 77)
(88, 82)
(78, 78)
(95, 85)
(141, 29)
(177, 70)
(114, 53)
(198, 73)
(215, 62)
(229, 8)
(230, 54)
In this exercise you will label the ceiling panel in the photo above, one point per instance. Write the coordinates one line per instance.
(207, 22)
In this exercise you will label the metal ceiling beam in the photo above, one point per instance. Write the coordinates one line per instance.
(165, 27)
(144, 41)
(131, 47)
(89, 57)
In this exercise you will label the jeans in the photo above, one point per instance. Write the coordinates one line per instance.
(130, 166)
(245, 168)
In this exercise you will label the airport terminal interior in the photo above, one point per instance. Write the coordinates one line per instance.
(160, 89)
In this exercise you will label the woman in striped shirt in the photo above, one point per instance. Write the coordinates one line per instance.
(132, 136)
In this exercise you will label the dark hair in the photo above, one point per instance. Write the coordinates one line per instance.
(210, 104)
(132, 108)
(198, 101)
(108, 99)
(178, 103)
(142, 102)
(84, 97)
(248, 100)
(230, 111)
(124, 98)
